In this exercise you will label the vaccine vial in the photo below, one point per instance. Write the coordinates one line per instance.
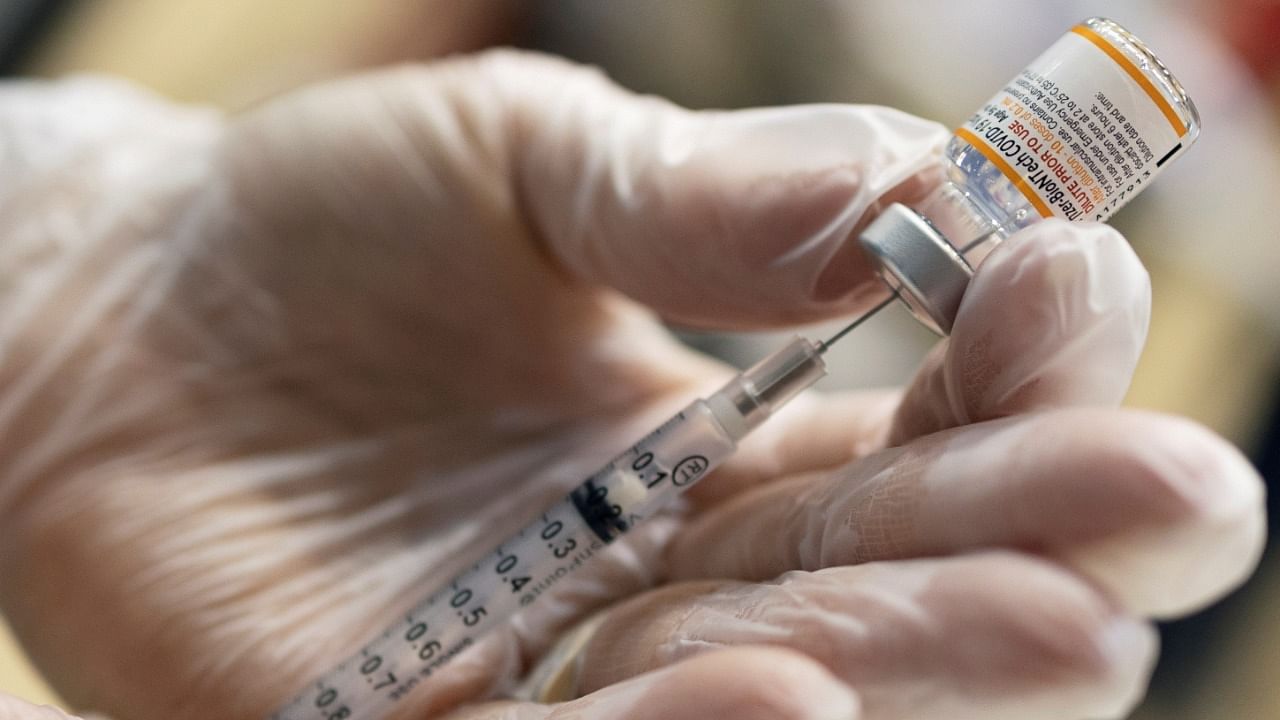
(1076, 135)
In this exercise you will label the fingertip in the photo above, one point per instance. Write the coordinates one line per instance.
(1130, 647)
(1057, 315)
(1160, 512)
(1037, 637)
(1208, 549)
(1107, 655)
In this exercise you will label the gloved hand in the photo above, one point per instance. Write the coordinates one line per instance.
(265, 381)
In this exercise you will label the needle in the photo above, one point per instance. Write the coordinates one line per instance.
(826, 344)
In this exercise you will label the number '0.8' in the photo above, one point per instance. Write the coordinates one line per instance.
(326, 698)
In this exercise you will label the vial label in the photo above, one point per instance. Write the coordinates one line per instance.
(1080, 131)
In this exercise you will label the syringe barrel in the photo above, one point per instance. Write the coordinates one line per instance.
(753, 396)
(523, 569)
(527, 565)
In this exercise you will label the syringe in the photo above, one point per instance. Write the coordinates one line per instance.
(622, 494)
(920, 267)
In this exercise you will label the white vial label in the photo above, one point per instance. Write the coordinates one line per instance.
(1080, 131)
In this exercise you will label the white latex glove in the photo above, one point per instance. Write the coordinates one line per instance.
(264, 382)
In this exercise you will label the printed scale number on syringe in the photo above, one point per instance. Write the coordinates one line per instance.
(519, 571)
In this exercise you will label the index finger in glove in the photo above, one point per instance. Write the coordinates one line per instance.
(726, 219)
(1158, 511)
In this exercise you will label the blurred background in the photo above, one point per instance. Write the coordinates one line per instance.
(1208, 230)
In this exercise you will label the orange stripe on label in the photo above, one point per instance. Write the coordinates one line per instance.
(1005, 168)
(1127, 65)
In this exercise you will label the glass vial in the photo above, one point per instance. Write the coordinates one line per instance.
(1076, 135)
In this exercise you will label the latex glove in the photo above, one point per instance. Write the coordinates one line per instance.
(267, 381)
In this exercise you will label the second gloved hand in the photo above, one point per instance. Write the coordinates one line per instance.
(266, 381)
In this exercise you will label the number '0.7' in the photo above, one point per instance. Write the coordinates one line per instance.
(370, 666)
